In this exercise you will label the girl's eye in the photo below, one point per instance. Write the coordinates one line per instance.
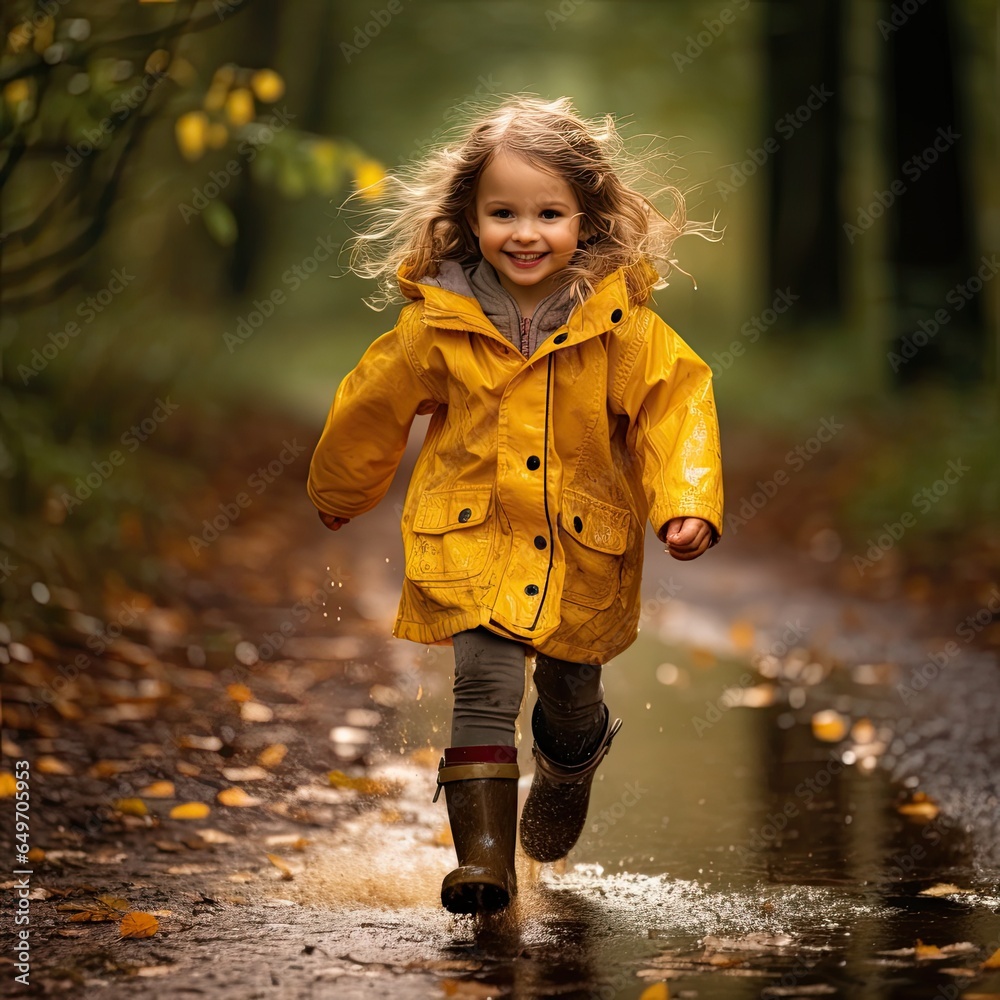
(550, 213)
(500, 211)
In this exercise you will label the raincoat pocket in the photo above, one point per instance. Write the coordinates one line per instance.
(451, 535)
(594, 535)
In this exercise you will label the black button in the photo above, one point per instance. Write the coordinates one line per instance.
(540, 542)
(616, 316)
(464, 515)
(533, 462)
(560, 338)
(577, 523)
(531, 590)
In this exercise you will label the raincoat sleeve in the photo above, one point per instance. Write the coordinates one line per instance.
(673, 430)
(368, 424)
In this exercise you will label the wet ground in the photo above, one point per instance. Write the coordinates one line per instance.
(803, 799)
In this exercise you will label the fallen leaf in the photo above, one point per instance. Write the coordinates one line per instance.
(36, 854)
(658, 991)
(8, 785)
(829, 726)
(364, 786)
(281, 865)
(239, 692)
(190, 810)
(253, 773)
(138, 925)
(186, 767)
(944, 889)
(168, 846)
(159, 790)
(52, 765)
(254, 711)
(993, 962)
(131, 807)
(292, 840)
(919, 807)
(237, 798)
(211, 836)
(272, 756)
(192, 742)
(925, 952)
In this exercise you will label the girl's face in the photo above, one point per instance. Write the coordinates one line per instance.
(528, 223)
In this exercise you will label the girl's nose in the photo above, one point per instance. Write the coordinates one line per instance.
(525, 231)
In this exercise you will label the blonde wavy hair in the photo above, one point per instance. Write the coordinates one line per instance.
(418, 212)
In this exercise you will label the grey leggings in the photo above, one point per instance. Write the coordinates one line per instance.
(489, 689)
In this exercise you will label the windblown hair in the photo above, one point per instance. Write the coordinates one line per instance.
(419, 211)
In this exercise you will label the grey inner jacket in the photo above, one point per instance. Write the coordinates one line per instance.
(480, 281)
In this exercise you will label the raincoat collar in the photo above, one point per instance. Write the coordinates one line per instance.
(605, 309)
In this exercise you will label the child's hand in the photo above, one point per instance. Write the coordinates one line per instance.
(687, 537)
(332, 522)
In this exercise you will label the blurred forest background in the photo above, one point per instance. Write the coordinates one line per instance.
(169, 240)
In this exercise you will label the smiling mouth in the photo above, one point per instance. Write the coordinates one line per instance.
(526, 258)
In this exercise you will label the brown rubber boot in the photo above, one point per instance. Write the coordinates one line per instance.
(556, 808)
(480, 786)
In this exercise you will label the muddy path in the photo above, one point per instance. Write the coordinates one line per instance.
(802, 802)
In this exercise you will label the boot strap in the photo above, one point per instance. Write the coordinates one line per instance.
(463, 772)
(572, 772)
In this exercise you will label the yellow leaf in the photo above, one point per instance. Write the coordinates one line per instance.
(993, 962)
(190, 131)
(36, 854)
(272, 756)
(17, 91)
(267, 85)
(923, 952)
(239, 692)
(364, 786)
(8, 785)
(236, 797)
(159, 790)
(138, 925)
(829, 726)
(658, 991)
(281, 865)
(743, 635)
(131, 807)
(919, 807)
(113, 902)
(240, 106)
(52, 765)
(190, 810)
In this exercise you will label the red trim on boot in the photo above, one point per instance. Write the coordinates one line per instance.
(480, 755)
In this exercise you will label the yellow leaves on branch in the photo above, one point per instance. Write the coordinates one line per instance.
(267, 85)
(368, 175)
(191, 133)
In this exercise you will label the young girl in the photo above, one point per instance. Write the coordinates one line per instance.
(564, 413)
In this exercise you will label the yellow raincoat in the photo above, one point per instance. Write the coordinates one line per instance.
(527, 505)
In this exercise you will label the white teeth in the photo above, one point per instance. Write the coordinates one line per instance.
(527, 256)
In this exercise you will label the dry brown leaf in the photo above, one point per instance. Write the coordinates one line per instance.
(281, 865)
(52, 765)
(104, 907)
(131, 807)
(187, 768)
(36, 854)
(159, 790)
(944, 889)
(193, 742)
(272, 756)
(190, 810)
(138, 925)
(993, 962)
(168, 846)
(237, 798)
